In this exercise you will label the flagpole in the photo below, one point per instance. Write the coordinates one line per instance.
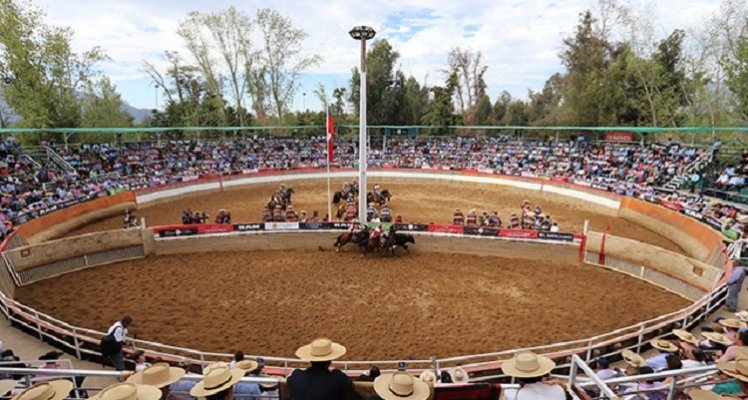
(329, 139)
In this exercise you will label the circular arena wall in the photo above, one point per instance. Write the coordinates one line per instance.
(696, 279)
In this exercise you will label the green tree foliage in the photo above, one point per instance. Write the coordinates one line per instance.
(439, 111)
(737, 75)
(103, 107)
(41, 72)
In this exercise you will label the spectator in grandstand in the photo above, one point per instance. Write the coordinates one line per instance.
(140, 362)
(529, 370)
(118, 332)
(238, 356)
(159, 375)
(647, 385)
(50, 359)
(218, 383)
(459, 375)
(738, 348)
(734, 284)
(659, 362)
(428, 376)
(369, 377)
(47, 390)
(319, 382)
(247, 390)
(181, 388)
(128, 391)
(400, 386)
(686, 341)
(731, 326)
(603, 369)
(737, 370)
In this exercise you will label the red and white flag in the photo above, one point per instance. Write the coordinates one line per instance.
(330, 136)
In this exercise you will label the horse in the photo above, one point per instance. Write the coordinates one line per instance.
(357, 238)
(383, 198)
(401, 240)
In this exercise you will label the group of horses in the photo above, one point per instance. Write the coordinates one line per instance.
(386, 244)
(339, 199)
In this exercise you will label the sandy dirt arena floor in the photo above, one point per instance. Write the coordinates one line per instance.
(415, 202)
(412, 306)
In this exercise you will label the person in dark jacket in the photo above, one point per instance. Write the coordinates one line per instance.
(319, 381)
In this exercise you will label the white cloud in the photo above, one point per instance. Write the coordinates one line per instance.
(520, 39)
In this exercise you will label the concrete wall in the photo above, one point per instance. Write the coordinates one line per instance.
(693, 272)
(27, 257)
(567, 252)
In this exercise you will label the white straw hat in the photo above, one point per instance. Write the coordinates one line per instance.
(528, 365)
(401, 386)
(128, 391)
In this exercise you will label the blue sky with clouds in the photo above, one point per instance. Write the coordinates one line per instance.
(520, 39)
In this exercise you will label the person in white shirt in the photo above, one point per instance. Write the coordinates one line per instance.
(119, 331)
(530, 371)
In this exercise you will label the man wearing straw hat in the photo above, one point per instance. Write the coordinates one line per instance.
(218, 383)
(400, 386)
(128, 391)
(529, 369)
(319, 381)
(159, 375)
(738, 347)
(247, 390)
(666, 348)
(48, 390)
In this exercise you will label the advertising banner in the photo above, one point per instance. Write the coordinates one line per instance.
(281, 226)
(481, 231)
(563, 236)
(184, 230)
(620, 137)
(518, 233)
(412, 227)
(249, 227)
(214, 228)
(446, 228)
(315, 225)
(671, 205)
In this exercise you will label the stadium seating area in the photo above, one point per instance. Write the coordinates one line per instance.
(30, 190)
(735, 177)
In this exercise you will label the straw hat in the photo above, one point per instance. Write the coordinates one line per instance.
(528, 365)
(217, 380)
(736, 369)
(320, 350)
(7, 385)
(717, 338)
(742, 315)
(401, 386)
(128, 391)
(686, 336)
(664, 345)
(732, 323)
(459, 375)
(48, 390)
(741, 353)
(700, 394)
(247, 365)
(158, 375)
(633, 359)
(428, 376)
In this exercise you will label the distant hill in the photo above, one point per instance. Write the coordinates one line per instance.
(138, 114)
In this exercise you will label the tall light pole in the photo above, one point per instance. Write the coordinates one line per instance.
(362, 33)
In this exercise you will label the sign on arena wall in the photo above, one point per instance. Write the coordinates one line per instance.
(480, 231)
(412, 227)
(281, 226)
(518, 233)
(566, 237)
(446, 228)
(340, 225)
(316, 225)
(214, 228)
(177, 232)
(249, 227)
(620, 137)
(671, 205)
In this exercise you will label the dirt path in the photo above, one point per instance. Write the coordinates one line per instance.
(420, 202)
(380, 308)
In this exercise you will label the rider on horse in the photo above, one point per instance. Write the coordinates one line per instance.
(350, 211)
(267, 215)
(386, 214)
(371, 213)
(345, 190)
(458, 218)
(377, 192)
(377, 234)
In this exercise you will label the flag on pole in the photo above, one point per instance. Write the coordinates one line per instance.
(330, 136)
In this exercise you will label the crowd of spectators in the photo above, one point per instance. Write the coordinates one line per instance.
(30, 190)
(735, 177)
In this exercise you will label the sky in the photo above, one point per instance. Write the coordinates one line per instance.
(520, 39)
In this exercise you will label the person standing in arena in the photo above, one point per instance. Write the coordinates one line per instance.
(514, 222)
(319, 382)
(267, 215)
(734, 284)
(118, 331)
(458, 218)
(471, 219)
(277, 214)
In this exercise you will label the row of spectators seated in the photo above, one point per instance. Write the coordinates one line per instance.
(734, 178)
(102, 169)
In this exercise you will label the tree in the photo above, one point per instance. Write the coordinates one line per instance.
(281, 58)
(439, 112)
(42, 72)
(103, 107)
(467, 70)
(737, 75)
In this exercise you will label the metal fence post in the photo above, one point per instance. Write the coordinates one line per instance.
(202, 361)
(38, 325)
(588, 357)
(77, 346)
(639, 340)
(573, 373)
(671, 389)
